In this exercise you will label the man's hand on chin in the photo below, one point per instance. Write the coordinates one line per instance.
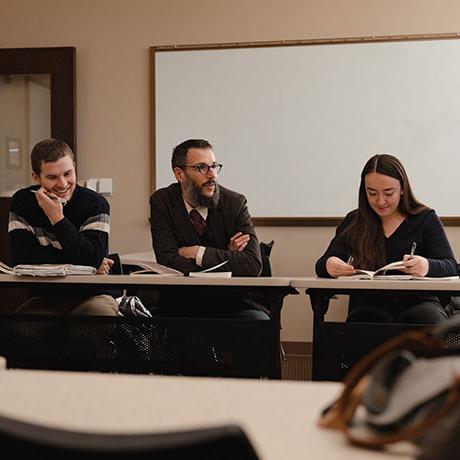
(51, 205)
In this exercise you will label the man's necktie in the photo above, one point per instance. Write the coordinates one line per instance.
(198, 222)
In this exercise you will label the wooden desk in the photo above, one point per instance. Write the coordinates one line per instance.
(279, 417)
(138, 281)
(320, 291)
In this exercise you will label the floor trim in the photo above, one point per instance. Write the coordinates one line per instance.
(297, 348)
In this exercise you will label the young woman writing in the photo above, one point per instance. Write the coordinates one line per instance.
(384, 228)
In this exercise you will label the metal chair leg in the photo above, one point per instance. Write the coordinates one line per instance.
(283, 353)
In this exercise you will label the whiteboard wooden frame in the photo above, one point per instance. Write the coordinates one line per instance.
(281, 221)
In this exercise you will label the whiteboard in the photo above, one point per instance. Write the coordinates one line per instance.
(294, 125)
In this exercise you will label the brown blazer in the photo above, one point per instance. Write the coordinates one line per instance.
(171, 229)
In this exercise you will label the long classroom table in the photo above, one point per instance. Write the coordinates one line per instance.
(321, 290)
(275, 289)
(279, 417)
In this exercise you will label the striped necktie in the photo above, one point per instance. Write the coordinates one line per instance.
(198, 222)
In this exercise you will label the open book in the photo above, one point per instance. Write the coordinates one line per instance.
(211, 273)
(6, 269)
(154, 268)
(390, 272)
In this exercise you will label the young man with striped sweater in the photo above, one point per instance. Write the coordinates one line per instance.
(57, 221)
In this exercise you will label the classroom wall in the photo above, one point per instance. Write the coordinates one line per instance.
(113, 37)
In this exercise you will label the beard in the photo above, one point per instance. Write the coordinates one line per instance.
(196, 197)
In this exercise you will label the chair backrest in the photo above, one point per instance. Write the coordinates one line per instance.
(265, 252)
(262, 297)
(351, 341)
(117, 268)
(20, 438)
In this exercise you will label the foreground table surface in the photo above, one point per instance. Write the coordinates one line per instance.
(280, 418)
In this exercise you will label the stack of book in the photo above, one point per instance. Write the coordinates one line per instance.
(47, 270)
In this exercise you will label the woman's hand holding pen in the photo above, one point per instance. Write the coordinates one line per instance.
(415, 265)
(337, 267)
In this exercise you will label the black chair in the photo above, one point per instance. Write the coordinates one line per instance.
(262, 296)
(265, 252)
(340, 345)
(117, 269)
(36, 442)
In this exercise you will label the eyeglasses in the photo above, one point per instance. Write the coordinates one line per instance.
(203, 168)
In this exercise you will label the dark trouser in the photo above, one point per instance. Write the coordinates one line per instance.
(396, 309)
(209, 303)
(236, 313)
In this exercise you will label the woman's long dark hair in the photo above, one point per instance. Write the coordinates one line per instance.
(364, 237)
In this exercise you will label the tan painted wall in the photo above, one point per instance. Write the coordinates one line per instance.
(112, 38)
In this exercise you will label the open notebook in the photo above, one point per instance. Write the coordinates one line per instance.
(390, 272)
(151, 268)
(154, 268)
(211, 273)
(6, 269)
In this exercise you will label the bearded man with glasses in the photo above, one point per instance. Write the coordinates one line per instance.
(196, 224)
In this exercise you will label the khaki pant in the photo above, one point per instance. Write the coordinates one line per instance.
(99, 305)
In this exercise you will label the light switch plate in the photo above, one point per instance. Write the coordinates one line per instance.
(105, 185)
(92, 184)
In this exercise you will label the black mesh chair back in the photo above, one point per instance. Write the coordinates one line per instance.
(36, 442)
(217, 346)
(339, 346)
(170, 346)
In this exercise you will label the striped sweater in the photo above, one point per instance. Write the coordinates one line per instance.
(80, 238)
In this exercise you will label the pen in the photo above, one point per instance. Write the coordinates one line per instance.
(412, 251)
(55, 198)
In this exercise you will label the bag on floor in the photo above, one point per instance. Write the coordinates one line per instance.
(401, 391)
